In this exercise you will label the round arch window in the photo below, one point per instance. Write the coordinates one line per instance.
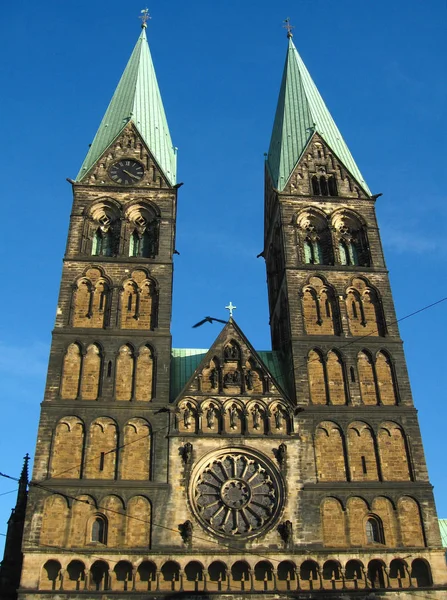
(236, 492)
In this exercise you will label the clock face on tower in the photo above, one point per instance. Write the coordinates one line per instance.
(126, 171)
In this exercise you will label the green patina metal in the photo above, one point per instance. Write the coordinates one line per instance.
(443, 529)
(137, 99)
(300, 113)
(185, 361)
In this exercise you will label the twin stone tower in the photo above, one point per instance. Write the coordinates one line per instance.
(170, 472)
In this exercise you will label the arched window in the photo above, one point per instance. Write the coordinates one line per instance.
(323, 186)
(353, 254)
(332, 183)
(315, 238)
(308, 253)
(343, 251)
(320, 309)
(376, 574)
(352, 239)
(315, 186)
(364, 309)
(99, 576)
(421, 573)
(74, 576)
(105, 227)
(99, 530)
(50, 575)
(144, 239)
(148, 243)
(217, 572)
(139, 298)
(313, 252)
(97, 243)
(134, 248)
(374, 531)
(90, 300)
(103, 243)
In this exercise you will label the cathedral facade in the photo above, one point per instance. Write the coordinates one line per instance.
(229, 471)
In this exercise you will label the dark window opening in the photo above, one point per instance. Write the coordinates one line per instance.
(374, 531)
(323, 186)
(364, 469)
(332, 186)
(99, 530)
(146, 245)
(101, 461)
(134, 249)
(129, 302)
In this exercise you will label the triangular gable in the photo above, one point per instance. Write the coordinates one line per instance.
(129, 143)
(232, 367)
(327, 163)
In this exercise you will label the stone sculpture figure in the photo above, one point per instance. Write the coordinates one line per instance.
(249, 379)
(187, 417)
(281, 454)
(210, 417)
(187, 452)
(256, 417)
(186, 531)
(278, 418)
(213, 378)
(233, 417)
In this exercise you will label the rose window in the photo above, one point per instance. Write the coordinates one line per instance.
(236, 493)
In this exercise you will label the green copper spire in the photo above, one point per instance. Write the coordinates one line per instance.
(137, 99)
(301, 111)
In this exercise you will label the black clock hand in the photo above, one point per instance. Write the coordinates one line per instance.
(130, 174)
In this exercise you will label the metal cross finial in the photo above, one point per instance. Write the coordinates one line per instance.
(289, 27)
(145, 16)
(230, 307)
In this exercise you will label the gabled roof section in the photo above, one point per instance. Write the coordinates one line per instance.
(184, 362)
(188, 363)
(300, 112)
(137, 98)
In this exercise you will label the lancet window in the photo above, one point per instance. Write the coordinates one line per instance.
(377, 378)
(351, 239)
(99, 530)
(81, 373)
(105, 227)
(90, 300)
(324, 185)
(144, 226)
(374, 530)
(365, 315)
(327, 378)
(314, 238)
(320, 308)
(139, 302)
(134, 374)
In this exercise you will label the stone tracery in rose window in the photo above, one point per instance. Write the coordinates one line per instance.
(236, 494)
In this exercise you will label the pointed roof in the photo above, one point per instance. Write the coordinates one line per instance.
(137, 98)
(301, 111)
(188, 362)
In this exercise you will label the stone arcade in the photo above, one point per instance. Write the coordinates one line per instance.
(298, 471)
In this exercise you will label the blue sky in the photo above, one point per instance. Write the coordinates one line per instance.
(380, 66)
